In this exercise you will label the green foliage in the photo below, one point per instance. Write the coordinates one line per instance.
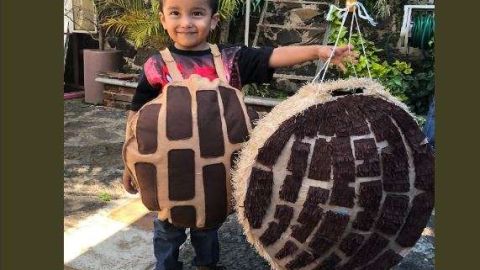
(263, 90)
(381, 8)
(422, 85)
(136, 21)
(140, 23)
(228, 8)
(393, 76)
(105, 197)
(414, 87)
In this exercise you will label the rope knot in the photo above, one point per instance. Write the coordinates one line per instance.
(359, 9)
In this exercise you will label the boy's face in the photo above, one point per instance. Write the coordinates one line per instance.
(188, 22)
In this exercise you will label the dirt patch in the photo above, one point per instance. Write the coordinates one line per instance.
(93, 166)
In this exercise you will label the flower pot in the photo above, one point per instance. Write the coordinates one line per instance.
(96, 61)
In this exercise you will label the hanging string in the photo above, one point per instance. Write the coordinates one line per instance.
(332, 51)
(363, 45)
(359, 9)
(349, 50)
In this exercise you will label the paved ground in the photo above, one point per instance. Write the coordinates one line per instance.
(105, 228)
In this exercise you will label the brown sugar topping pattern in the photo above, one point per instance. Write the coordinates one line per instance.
(359, 177)
(183, 152)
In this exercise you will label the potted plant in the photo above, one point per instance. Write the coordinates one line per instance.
(101, 59)
(94, 13)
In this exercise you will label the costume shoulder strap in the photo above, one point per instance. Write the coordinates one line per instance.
(217, 60)
(171, 65)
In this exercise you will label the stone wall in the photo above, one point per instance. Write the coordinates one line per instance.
(294, 24)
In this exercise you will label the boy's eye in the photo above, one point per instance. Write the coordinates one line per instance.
(174, 13)
(197, 13)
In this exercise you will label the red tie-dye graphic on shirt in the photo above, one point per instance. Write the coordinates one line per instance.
(207, 72)
(157, 73)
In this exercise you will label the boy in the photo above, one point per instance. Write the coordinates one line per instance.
(188, 23)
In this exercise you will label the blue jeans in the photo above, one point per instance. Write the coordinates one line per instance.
(429, 128)
(167, 240)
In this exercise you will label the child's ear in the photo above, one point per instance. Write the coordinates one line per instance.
(162, 19)
(215, 20)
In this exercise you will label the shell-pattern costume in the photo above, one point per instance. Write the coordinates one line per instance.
(180, 147)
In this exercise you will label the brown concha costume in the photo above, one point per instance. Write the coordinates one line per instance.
(339, 176)
(180, 146)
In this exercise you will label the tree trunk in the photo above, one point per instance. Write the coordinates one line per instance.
(101, 39)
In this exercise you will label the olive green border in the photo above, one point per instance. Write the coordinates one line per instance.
(31, 135)
(457, 103)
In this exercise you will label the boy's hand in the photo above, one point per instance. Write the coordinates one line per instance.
(341, 55)
(127, 182)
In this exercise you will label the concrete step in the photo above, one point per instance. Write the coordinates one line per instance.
(116, 240)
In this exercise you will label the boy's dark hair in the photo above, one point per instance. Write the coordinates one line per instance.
(213, 5)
